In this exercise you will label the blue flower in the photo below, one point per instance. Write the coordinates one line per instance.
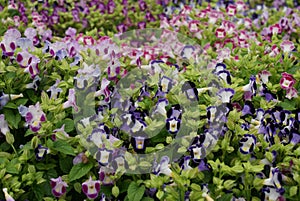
(163, 167)
(173, 125)
(225, 94)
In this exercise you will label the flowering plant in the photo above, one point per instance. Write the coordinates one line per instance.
(149, 100)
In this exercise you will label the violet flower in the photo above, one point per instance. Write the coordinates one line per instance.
(287, 46)
(173, 125)
(275, 180)
(8, 45)
(34, 116)
(59, 187)
(5, 98)
(54, 90)
(91, 188)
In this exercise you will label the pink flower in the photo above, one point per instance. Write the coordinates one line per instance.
(275, 51)
(58, 187)
(248, 23)
(287, 81)
(231, 10)
(264, 76)
(193, 26)
(291, 93)
(220, 33)
(275, 29)
(287, 46)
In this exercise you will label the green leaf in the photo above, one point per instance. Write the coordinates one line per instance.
(293, 190)
(79, 170)
(12, 118)
(135, 192)
(69, 124)
(63, 147)
(225, 197)
(65, 164)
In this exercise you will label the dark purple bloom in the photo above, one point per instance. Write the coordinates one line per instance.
(59, 187)
(41, 152)
(248, 108)
(173, 125)
(91, 188)
(204, 166)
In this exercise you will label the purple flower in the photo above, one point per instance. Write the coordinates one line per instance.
(186, 161)
(204, 166)
(104, 175)
(119, 163)
(165, 84)
(248, 108)
(226, 94)
(138, 143)
(198, 152)
(247, 144)
(59, 187)
(272, 194)
(34, 116)
(41, 152)
(190, 90)
(91, 188)
(275, 180)
(173, 125)
(8, 45)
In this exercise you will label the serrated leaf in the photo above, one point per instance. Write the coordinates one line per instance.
(79, 171)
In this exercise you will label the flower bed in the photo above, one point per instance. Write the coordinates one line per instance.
(149, 100)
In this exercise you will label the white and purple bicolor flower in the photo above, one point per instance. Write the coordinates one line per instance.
(104, 175)
(186, 163)
(119, 163)
(59, 187)
(251, 86)
(7, 196)
(225, 94)
(198, 152)
(34, 116)
(173, 125)
(275, 180)
(225, 76)
(54, 90)
(190, 90)
(248, 108)
(163, 167)
(139, 143)
(161, 107)
(91, 188)
(5, 98)
(41, 152)
(71, 102)
(104, 156)
(165, 84)
(8, 44)
(3, 125)
(247, 144)
(271, 194)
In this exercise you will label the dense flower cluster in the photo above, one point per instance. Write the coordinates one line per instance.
(204, 107)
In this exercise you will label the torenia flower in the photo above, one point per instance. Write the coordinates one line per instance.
(163, 167)
(3, 125)
(71, 102)
(247, 144)
(104, 175)
(275, 179)
(291, 93)
(287, 46)
(7, 196)
(226, 94)
(34, 116)
(264, 76)
(91, 188)
(287, 81)
(4, 98)
(41, 152)
(59, 187)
